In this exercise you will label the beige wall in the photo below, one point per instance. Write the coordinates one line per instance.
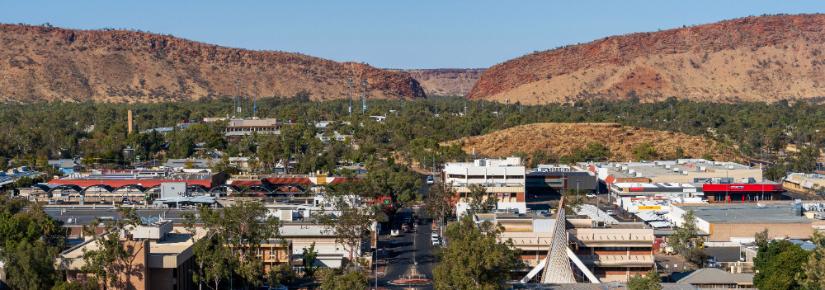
(724, 232)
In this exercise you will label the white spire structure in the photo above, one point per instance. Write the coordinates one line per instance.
(557, 269)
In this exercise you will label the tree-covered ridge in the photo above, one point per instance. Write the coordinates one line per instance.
(97, 131)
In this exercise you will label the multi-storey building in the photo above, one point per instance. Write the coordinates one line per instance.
(612, 252)
(502, 179)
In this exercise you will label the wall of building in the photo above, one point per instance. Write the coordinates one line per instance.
(726, 232)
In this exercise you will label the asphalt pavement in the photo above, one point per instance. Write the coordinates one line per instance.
(400, 253)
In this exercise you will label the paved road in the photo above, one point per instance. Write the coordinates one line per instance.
(400, 251)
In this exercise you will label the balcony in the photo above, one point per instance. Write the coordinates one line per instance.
(618, 260)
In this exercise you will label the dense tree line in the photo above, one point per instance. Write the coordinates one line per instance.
(412, 130)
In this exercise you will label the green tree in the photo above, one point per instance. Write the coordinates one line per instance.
(347, 221)
(650, 281)
(814, 268)
(474, 258)
(30, 265)
(30, 240)
(686, 241)
(308, 259)
(113, 260)
(337, 279)
(645, 151)
(779, 265)
(479, 200)
(234, 237)
(439, 202)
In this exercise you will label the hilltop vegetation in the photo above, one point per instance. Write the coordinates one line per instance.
(554, 142)
(763, 59)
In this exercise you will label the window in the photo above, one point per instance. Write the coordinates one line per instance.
(515, 177)
(456, 176)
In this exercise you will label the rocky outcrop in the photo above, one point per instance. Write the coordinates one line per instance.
(766, 58)
(446, 81)
(46, 63)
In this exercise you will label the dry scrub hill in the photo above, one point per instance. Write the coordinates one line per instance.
(45, 63)
(446, 82)
(560, 139)
(767, 58)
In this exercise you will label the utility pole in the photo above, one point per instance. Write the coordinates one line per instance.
(364, 96)
(349, 93)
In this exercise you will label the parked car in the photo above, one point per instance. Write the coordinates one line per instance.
(610, 212)
(430, 179)
(436, 241)
(591, 195)
(406, 228)
(395, 232)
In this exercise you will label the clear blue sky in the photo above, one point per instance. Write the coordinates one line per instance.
(393, 34)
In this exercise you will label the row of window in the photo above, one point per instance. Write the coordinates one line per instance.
(488, 176)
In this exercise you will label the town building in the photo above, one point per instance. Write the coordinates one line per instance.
(743, 192)
(503, 179)
(558, 179)
(244, 127)
(613, 252)
(122, 186)
(740, 222)
(804, 183)
(675, 171)
(65, 166)
(162, 257)
(712, 278)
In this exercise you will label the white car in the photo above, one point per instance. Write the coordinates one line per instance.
(395, 232)
(591, 195)
(436, 241)
(430, 179)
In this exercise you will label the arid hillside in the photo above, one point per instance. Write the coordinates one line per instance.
(766, 58)
(561, 139)
(45, 63)
(447, 81)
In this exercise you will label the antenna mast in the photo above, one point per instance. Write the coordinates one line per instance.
(364, 96)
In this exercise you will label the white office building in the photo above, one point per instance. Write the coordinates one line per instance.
(502, 178)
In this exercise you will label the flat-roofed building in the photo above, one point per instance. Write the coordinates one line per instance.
(243, 127)
(549, 178)
(503, 179)
(331, 253)
(739, 222)
(613, 252)
(675, 171)
(162, 257)
(804, 183)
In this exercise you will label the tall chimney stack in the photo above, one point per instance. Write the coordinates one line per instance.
(129, 121)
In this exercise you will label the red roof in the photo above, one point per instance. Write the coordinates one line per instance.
(116, 183)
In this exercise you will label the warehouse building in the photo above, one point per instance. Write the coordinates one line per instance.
(675, 171)
(740, 222)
